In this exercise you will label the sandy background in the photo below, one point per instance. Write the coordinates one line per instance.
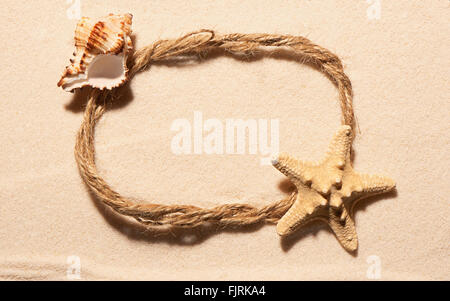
(399, 66)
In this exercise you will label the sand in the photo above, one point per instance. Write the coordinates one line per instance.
(396, 55)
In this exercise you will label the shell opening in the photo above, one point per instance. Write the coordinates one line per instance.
(106, 70)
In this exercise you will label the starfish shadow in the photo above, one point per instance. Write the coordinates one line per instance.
(312, 228)
(287, 186)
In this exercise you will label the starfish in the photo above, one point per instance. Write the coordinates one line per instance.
(328, 190)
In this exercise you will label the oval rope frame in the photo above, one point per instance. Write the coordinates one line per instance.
(199, 42)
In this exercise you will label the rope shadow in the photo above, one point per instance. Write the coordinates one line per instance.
(170, 235)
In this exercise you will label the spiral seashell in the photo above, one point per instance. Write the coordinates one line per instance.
(102, 48)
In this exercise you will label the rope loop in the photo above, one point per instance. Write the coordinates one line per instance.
(199, 42)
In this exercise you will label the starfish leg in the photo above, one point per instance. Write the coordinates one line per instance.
(344, 230)
(339, 147)
(303, 210)
(334, 162)
(290, 167)
(365, 186)
(374, 184)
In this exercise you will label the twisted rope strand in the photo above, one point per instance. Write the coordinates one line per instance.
(199, 42)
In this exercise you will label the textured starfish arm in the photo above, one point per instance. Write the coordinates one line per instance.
(330, 170)
(339, 147)
(344, 230)
(376, 184)
(367, 185)
(303, 209)
(292, 168)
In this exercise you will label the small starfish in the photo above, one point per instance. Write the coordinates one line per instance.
(328, 190)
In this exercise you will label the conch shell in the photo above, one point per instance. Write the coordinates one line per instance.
(102, 47)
